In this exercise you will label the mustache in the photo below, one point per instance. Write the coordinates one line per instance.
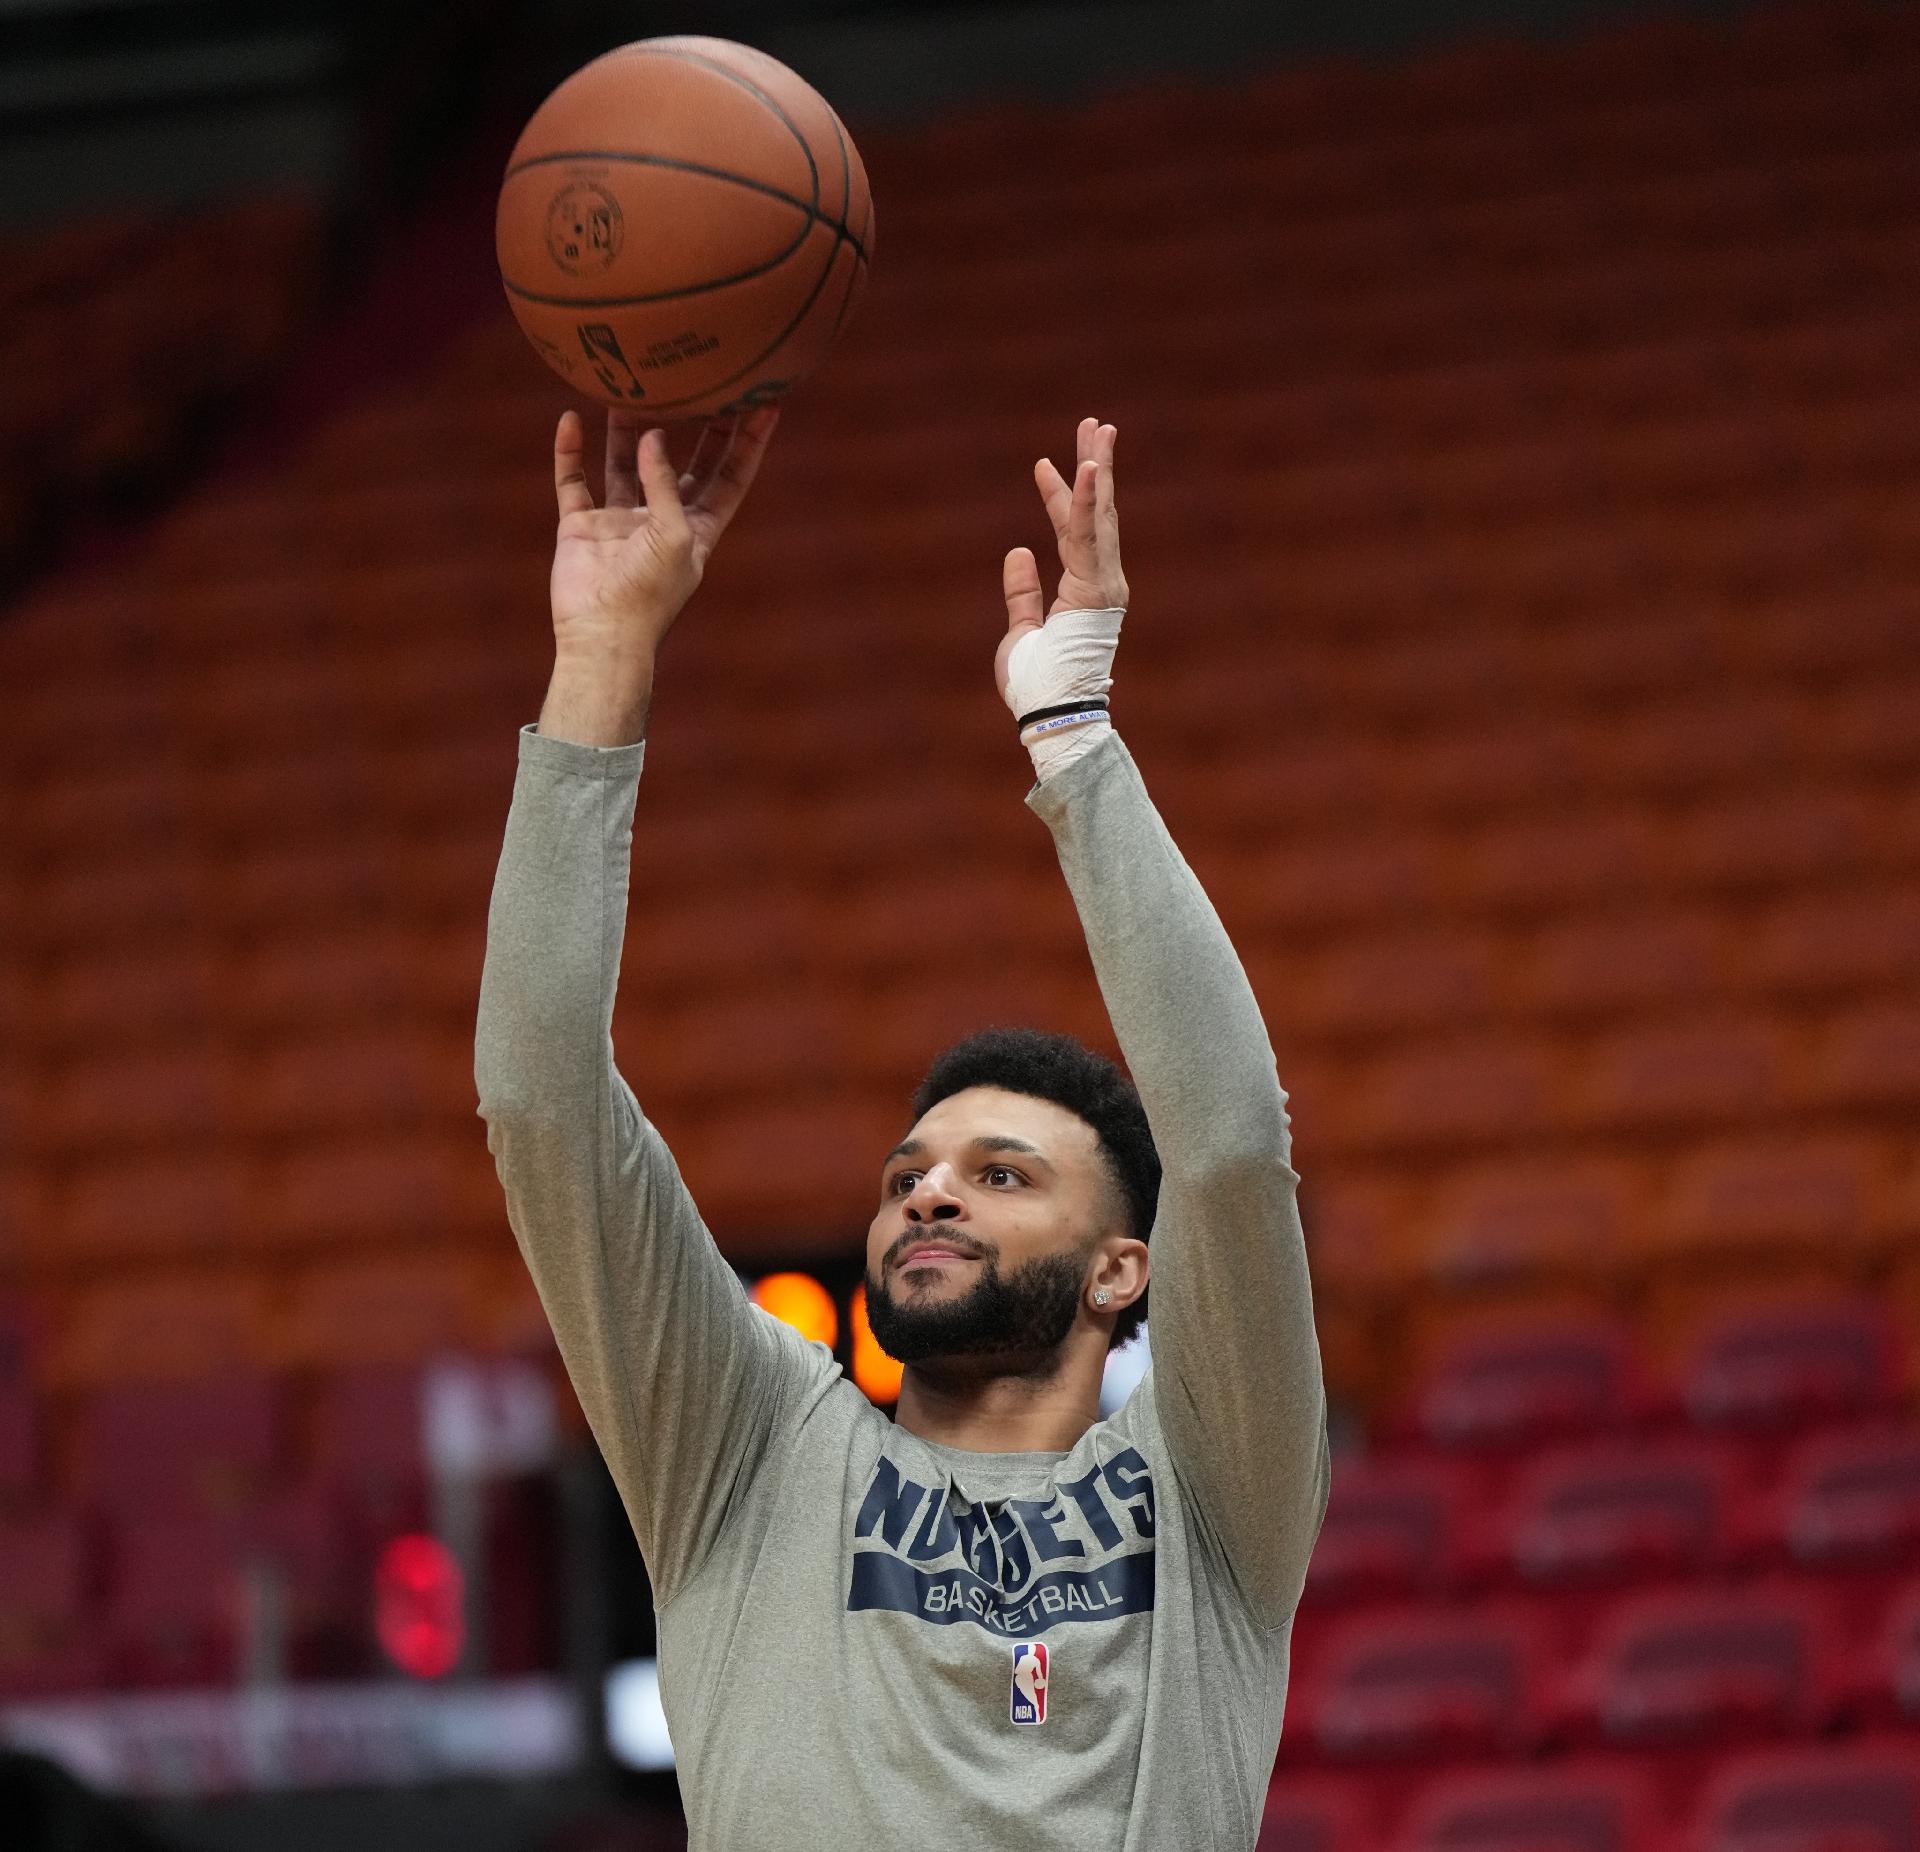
(927, 1239)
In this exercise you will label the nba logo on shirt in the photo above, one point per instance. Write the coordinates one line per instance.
(1029, 1681)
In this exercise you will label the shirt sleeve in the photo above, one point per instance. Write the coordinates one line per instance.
(1236, 1376)
(682, 1378)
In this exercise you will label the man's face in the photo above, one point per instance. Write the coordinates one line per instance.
(1017, 1194)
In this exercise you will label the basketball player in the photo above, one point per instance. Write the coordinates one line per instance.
(995, 1623)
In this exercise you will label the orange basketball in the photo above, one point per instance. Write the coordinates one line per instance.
(684, 226)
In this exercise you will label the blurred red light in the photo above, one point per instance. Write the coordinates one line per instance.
(420, 1606)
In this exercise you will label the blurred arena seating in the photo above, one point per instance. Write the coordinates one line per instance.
(1520, 472)
(124, 335)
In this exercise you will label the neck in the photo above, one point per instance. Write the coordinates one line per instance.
(999, 1406)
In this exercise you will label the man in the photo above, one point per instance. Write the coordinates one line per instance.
(995, 1621)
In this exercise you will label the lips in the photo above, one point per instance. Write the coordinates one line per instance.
(930, 1251)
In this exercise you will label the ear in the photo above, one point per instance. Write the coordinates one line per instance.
(1122, 1269)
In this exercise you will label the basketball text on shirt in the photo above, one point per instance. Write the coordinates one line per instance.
(1084, 1551)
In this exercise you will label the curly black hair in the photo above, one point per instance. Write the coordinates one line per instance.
(1057, 1068)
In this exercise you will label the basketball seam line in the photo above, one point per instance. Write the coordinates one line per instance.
(846, 189)
(774, 346)
(813, 213)
(770, 103)
(665, 295)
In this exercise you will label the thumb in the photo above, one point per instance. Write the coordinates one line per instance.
(1020, 580)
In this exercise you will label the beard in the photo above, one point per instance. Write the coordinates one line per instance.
(1026, 1314)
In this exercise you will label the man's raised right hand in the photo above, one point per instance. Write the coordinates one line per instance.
(623, 573)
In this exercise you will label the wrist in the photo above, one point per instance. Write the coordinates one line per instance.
(597, 697)
(1056, 680)
(1054, 745)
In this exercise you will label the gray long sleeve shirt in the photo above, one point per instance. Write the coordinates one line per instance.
(847, 1613)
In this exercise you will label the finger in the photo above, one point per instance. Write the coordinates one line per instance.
(570, 466)
(1020, 580)
(623, 479)
(716, 439)
(1079, 552)
(734, 474)
(1087, 441)
(662, 487)
(1055, 494)
(1108, 517)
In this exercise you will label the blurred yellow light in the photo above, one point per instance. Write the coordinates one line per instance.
(799, 1300)
(876, 1373)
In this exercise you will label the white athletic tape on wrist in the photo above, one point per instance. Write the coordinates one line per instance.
(1069, 658)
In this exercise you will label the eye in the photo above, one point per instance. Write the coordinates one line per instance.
(899, 1177)
(1003, 1170)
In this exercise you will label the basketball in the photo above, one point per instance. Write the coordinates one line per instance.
(684, 226)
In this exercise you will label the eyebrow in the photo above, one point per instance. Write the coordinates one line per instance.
(912, 1147)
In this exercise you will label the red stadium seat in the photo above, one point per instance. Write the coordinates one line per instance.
(709, 941)
(756, 1041)
(1313, 1812)
(105, 1103)
(1532, 1220)
(160, 991)
(267, 796)
(395, 1189)
(1513, 1382)
(1771, 1359)
(1805, 1197)
(1617, 1510)
(1327, 882)
(1863, 1796)
(1851, 1495)
(1578, 1805)
(1390, 987)
(1677, 744)
(1579, 857)
(1616, 964)
(1829, 942)
(1698, 1665)
(382, 1077)
(1392, 1529)
(1752, 844)
(404, 1308)
(1012, 912)
(325, 982)
(184, 1325)
(815, 1165)
(1884, 1682)
(1423, 1683)
(1686, 1076)
(1354, 1225)
(1485, 1091)
(171, 1203)
(1869, 1057)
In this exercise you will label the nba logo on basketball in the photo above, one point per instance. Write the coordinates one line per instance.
(1029, 1681)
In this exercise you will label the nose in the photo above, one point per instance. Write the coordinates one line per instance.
(932, 1198)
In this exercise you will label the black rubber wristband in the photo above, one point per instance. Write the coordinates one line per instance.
(1066, 707)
